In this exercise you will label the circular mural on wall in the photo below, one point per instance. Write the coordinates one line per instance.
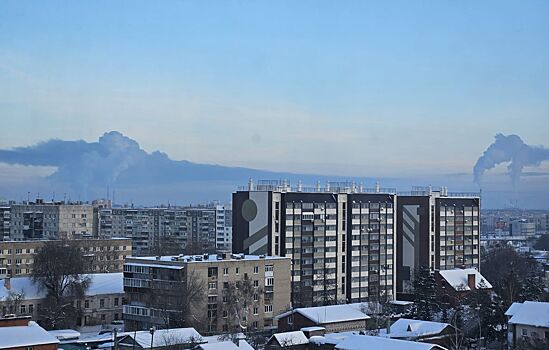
(249, 210)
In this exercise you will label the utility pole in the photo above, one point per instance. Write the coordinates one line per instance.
(153, 328)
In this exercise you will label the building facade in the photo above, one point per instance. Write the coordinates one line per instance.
(340, 238)
(103, 255)
(155, 288)
(46, 220)
(206, 229)
(438, 230)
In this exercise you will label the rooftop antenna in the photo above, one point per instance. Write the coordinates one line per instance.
(108, 192)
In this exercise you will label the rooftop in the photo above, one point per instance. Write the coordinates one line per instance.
(360, 342)
(151, 260)
(290, 338)
(531, 313)
(330, 313)
(25, 336)
(407, 328)
(458, 278)
(165, 337)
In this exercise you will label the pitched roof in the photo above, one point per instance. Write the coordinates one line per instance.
(458, 278)
(512, 309)
(22, 336)
(223, 345)
(407, 328)
(360, 342)
(330, 313)
(290, 338)
(164, 337)
(101, 283)
(531, 313)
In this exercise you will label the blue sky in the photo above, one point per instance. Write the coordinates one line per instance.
(366, 88)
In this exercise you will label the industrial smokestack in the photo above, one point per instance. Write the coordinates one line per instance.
(511, 149)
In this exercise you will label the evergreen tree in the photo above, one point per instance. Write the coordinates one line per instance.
(425, 294)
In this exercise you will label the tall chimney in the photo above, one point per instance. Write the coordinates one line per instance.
(471, 281)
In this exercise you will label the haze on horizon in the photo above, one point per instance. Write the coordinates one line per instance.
(375, 89)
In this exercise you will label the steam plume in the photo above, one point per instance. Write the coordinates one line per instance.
(511, 149)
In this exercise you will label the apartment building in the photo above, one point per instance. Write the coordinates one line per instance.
(340, 237)
(47, 220)
(5, 220)
(155, 289)
(436, 229)
(206, 228)
(104, 255)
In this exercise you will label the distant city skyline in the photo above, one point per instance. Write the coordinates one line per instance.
(383, 90)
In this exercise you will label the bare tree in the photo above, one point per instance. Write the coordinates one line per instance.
(59, 268)
(181, 306)
(13, 301)
(239, 298)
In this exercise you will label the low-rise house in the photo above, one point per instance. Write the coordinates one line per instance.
(334, 318)
(294, 340)
(355, 341)
(361, 342)
(528, 324)
(421, 331)
(101, 304)
(456, 284)
(182, 338)
(23, 334)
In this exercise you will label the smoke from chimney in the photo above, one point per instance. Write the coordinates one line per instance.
(511, 149)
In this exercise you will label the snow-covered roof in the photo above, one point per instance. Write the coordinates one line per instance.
(101, 283)
(313, 329)
(407, 328)
(164, 337)
(205, 258)
(512, 309)
(65, 334)
(360, 342)
(290, 338)
(330, 313)
(23, 336)
(458, 278)
(531, 313)
(223, 345)
(106, 283)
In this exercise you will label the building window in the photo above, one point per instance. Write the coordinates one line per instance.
(269, 308)
(256, 283)
(256, 297)
(269, 281)
(212, 285)
(212, 271)
(225, 285)
(115, 301)
(256, 269)
(86, 304)
(31, 308)
(101, 303)
(291, 319)
(524, 331)
(237, 270)
(225, 271)
(225, 314)
(256, 310)
(23, 309)
(103, 318)
(255, 324)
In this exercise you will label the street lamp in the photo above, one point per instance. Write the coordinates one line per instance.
(152, 330)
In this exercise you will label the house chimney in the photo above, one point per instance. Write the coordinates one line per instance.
(471, 281)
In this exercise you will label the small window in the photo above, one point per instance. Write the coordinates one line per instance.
(256, 269)
(225, 271)
(237, 270)
(524, 331)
